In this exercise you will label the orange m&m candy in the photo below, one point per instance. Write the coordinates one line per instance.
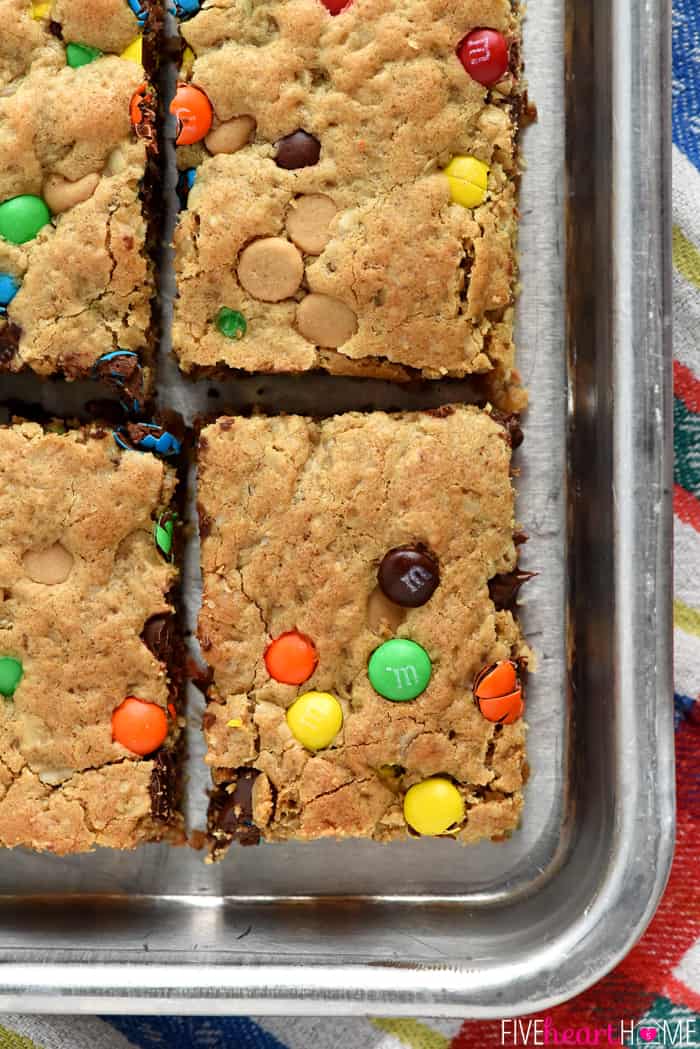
(142, 112)
(291, 658)
(498, 693)
(194, 114)
(139, 726)
(497, 680)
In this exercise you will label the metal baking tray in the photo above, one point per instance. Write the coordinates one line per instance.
(429, 928)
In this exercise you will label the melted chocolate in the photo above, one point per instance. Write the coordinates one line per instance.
(504, 588)
(231, 814)
(163, 787)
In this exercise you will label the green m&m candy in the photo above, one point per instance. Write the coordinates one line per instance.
(399, 669)
(10, 675)
(231, 323)
(163, 534)
(22, 217)
(81, 55)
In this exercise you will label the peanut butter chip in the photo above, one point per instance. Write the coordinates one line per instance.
(231, 136)
(383, 616)
(52, 777)
(326, 321)
(60, 194)
(50, 566)
(308, 222)
(271, 269)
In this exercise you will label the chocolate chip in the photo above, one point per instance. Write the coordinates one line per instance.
(205, 524)
(234, 819)
(298, 150)
(9, 341)
(162, 787)
(137, 431)
(158, 636)
(201, 676)
(408, 576)
(123, 373)
(504, 588)
(443, 412)
(511, 424)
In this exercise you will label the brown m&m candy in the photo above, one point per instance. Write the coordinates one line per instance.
(408, 576)
(498, 692)
(298, 150)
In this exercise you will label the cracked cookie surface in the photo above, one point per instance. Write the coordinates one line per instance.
(413, 282)
(296, 516)
(79, 578)
(85, 280)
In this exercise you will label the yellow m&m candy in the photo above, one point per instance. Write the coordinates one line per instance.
(433, 806)
(315, 719)
(468, 178)
(134, 52)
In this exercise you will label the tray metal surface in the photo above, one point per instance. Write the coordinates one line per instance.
(426, 927)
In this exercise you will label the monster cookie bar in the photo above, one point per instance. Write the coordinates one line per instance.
(366, 670)
(88, 722)
(349, 178)
(78, 218)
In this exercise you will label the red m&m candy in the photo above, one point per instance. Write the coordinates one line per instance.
(336, 6)
(484, 55)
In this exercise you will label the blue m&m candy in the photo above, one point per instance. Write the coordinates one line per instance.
(139, 10)
(147, 437)
(162, 444)
(9, 286)
(186, 8)
(185, 182)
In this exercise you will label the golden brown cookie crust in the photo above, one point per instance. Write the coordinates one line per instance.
(296, 515)
(87, 279)
(65, 785)
(380, 86)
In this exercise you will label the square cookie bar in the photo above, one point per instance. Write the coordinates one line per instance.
(88, 718)
(78, 214)
(349, 178)
(366, 670)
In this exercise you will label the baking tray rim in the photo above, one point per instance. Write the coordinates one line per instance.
(266, 987)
